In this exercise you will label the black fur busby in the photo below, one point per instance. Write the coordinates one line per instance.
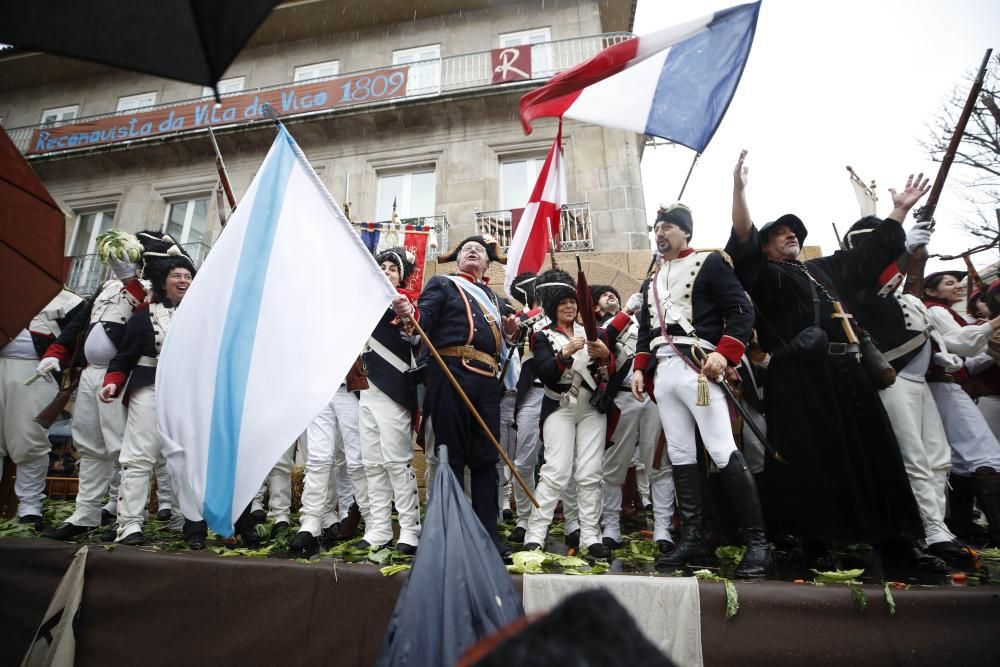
(522, 288)
(552, 287)
(161, 255)
(859, 229)
(677, 214)
(493, 251)
(402, 258)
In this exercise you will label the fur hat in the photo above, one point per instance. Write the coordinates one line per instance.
(791, 221)
(162, 254)
(551, 288)
(402, 258)
(859, 229)
(522, 288)
(493, 251)
(677, 214)
(598, 290)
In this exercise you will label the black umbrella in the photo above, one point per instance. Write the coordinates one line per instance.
(458, 590)
(187, 40)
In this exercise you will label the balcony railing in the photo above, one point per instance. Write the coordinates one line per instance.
(437, 240)
(575, 229)
(429, 78)
(87, 273)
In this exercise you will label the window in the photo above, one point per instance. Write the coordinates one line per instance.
(412, 191)
(133, 102)
(316, 70)
(88, 227)
(541, 50)
(517, 180)
(424, 76)
(187, 221)
(52, 116)
(233, 85)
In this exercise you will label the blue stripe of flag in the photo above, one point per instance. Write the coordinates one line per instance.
(699, 78)
(238, 336)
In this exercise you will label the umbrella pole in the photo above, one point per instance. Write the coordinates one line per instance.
(472, 409)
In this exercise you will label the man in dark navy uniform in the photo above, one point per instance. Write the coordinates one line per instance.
(468, 324)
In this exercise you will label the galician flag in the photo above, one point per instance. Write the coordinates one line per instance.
(541, 216)
(675, 83)
(264, 337)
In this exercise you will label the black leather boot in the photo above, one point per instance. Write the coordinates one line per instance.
(987, 487)
(961, 498)
(689, 548)
(195, 534)
(349, 526)
(245, 528)
(758, 560)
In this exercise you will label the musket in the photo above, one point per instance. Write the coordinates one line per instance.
(915, 268)
(840, 241)
(220, 166)
(68, 384)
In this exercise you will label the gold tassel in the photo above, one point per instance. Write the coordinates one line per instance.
(702, 398)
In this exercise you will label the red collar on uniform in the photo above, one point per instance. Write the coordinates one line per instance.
(471, 278)
(684, 253)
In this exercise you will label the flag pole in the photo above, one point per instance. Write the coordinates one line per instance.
(552, 244)
(688, 177)
(472, 409)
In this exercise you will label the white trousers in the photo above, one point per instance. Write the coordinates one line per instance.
(116, 477)
(676, 390)
(574, 447)
(508, 439)
(20, 438)
(98, 429)
(279, 487)
(637, 432)
(526, 452)
(142, 451)
(924, 449)
(29, 484)
(387, 452)
(334, 429)
(973, 444)
(990, 407)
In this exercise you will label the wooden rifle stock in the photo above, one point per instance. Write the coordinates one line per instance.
(915, 270)
(51, 412)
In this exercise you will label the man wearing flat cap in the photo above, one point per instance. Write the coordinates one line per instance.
(844, 482)
(469, 325)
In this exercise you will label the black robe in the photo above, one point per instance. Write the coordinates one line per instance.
(845, 481)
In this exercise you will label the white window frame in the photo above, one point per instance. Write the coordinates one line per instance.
(542, 64)
(534, 164)
(59, 114)
(311, 71)
(226, 86)
(94, 233)
(406, 193)
(188, 217)
(424, 75)
(135, 102)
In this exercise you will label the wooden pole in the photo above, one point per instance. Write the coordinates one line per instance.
(472, 409)
(680, 195)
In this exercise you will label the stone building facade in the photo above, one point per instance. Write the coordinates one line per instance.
(447, 146)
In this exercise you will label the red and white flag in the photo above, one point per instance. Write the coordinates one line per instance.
(531, 238)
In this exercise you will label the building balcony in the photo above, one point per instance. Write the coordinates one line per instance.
(383, 86)
(435, 226)
(87, 273)
(575, 229)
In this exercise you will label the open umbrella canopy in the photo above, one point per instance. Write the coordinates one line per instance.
(458, 590)
(32, 236)
(187, 40)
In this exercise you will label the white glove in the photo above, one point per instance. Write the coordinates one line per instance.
(950, 362)
(123, 269)
(634, 303)
(46, 366)
(919, 235)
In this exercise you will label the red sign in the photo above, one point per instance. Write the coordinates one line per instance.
(512, 63)
(349, 90)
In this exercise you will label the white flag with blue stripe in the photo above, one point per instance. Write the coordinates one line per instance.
(264, 337)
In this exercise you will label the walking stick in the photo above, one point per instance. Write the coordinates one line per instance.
(472, 409)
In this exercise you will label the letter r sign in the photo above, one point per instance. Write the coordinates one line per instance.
(512, 63)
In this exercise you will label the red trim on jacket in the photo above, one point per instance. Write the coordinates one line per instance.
(731, 348)
(619, 321)
(889, 274)
(134, 287)
(116, 378)
(59, 352)
(641, 361)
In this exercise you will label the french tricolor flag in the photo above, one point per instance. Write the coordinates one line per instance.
(539, 224)
(675, 83)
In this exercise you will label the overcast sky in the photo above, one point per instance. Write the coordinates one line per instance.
(827, 84)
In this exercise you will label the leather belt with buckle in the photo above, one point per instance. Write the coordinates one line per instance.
(469, 353)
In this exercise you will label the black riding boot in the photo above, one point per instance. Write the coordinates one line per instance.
(687, 483)
(758, 560)
(987, 486)
(961, 498)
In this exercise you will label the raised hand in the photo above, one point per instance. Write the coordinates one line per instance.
(915, 189)
(740, 173)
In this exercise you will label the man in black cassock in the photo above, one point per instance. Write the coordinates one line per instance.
(844, 482)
